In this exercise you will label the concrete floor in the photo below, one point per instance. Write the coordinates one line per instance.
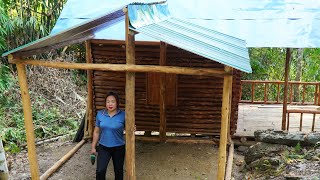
(253, 117)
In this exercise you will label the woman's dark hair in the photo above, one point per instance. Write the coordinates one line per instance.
(116, 96)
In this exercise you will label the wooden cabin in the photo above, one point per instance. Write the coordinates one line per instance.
(165, 88)
(193, 103)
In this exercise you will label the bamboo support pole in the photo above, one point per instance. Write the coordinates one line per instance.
(313, 121)
(27, 111)
(303, 93)
(288, 122)
(301, 116)
(130, 103)
(230, 162)
(182, 140)
(285, 89)
(316, 94)
(291, 93)
(126, 68)
(4, 174)
(225, 115)
(278, 93)
(65, 158)
(319, 95)
(162, 103)
(90, 91)
(265, 92)
(252, 92)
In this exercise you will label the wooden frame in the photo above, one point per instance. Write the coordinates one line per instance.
(130, 68)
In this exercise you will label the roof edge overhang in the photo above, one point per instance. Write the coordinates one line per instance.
(75, 34)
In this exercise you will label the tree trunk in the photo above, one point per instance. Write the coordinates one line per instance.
(296, 90)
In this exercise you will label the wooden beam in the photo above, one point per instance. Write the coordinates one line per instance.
(230, 162)
(225, 115)
(27, 111)
(126, 68)
(162, 103)
(90, 90)
(130, 103)
(285, 89)
(184, 140)
(65, 158)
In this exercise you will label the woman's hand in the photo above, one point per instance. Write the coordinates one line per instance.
(94, 151)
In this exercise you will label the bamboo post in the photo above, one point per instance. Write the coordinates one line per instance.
(301, 115)
(285, 89)
(291, 90)
(90, 91)
(126, 67)
(265, 92)
(4, 175)
(225, 115)
(303, 93)
(316, 94)
(162, 103)
(252, 92)
(278, 93)
(27, 111)
(313, 121)
(288, 121)
(64, 159)
(130, 103)
(319, 95)
(240, 96)
(230, 162)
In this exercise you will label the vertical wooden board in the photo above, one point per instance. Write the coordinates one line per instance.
(171, 89)
(153, 92)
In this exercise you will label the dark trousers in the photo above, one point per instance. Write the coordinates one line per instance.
(104, 154)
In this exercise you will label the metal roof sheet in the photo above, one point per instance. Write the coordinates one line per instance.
(155, 21)
(261, 23)
(71, 35)
(202, 41)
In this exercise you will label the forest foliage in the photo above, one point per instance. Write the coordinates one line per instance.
(57, 102)
(23, 21)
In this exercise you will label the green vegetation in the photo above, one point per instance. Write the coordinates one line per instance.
(48, 121)
(21, 22)
(268, 64)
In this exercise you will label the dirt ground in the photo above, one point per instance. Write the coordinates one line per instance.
(156, 161)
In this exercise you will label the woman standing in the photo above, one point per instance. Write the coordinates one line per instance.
(110, 123)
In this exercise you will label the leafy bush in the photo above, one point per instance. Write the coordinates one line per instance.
(48, 120)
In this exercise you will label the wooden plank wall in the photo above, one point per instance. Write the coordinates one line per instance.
(198, 109)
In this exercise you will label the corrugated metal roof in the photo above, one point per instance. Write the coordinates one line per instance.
(261, 23)
(202, 41)
(81, 32)
(156, 22)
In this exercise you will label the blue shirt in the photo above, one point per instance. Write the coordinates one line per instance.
(111, 128)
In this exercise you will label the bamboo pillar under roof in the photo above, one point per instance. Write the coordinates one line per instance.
(130, 103)
(225, 115)
(163, 59)
(27, 111)
(285, 89)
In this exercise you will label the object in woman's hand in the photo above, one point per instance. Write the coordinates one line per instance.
(93, 158)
